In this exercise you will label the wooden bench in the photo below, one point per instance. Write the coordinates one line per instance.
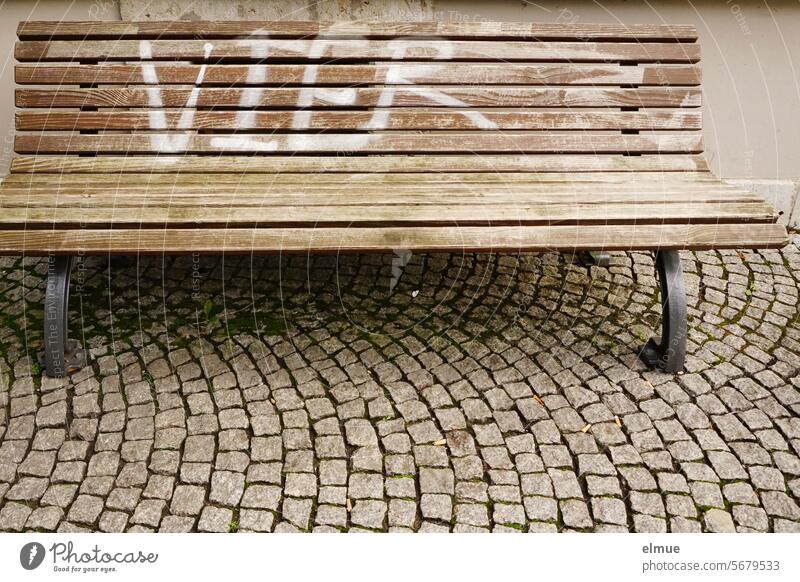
(268, 137)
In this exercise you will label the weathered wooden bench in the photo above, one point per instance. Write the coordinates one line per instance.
(266, 137)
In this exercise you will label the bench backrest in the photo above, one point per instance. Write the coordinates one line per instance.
(579, 97)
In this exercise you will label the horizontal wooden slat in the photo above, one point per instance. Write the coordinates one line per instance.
(328, 191)
(278, 29)
(348, 142)
(365, 189)
(693, 206)
(677, 180)
(261, 49)
(215, 211)
(395, 73)
(374, 198)
(416, 96)
(374, 164)
(266, 183)
(484, 239)
(339, 120)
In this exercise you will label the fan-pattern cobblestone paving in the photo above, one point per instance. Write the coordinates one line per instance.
(483, 393)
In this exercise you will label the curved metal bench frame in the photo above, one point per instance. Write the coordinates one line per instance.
(668, 353)
(60, 355)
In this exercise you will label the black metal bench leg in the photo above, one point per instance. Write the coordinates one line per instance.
(61, 354)
(595, 258)
(669, 353)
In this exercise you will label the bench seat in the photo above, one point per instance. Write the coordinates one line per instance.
(297, 212)
(565, 215)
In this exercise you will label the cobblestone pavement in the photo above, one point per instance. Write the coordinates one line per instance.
(485, 392)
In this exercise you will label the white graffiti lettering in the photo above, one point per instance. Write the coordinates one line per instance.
(156, 116)
(399, 79)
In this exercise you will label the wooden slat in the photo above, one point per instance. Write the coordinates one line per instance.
(279, 29)
(708, 196)
(395, 73)
(266, 183)
(484, 239)
(327, 191)
(374, 164)
(343, 206)
(677, 180)
(159, 212)
(340, 120)
(689, 205)
(356, 50)
(382, 198)
(416, 96)
(375, 143)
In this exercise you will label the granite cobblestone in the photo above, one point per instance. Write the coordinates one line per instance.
(484, 393)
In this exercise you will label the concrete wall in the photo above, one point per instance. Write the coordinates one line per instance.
(11, 12)
(751, 60)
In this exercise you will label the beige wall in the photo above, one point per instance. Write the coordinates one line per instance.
(11, 12)
(751, 58)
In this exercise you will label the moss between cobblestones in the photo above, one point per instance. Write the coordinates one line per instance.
(233, 526)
